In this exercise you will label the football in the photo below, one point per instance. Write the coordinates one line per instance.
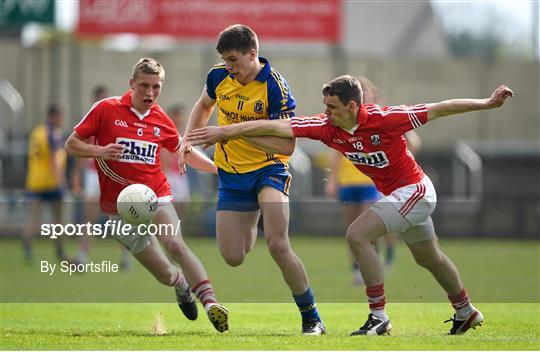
(137, 204)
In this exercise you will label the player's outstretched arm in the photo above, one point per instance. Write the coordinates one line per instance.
(76, 146)
(212, 134)
(198, 160)
(459, 106)
(274, 145)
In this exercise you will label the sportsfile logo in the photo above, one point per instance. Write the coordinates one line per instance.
(375, 159)
(138, 151)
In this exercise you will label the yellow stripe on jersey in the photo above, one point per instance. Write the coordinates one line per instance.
(284, 90)
(217, 66)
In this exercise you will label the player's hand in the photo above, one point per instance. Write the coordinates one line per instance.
(498, 96)
(183, 151)
(207, 136)
(112, 151)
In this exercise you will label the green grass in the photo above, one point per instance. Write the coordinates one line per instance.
(100, 311)
(258, 326)
(491, 271)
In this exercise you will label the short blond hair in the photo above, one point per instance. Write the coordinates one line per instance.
(149, 66)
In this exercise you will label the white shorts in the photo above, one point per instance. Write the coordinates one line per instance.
(136, 242)
(408, 210)
(91, 184)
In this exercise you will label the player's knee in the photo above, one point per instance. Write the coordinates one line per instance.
(234, 260)
(356, 237)
(428, 260)
(278, 247)
(232, 257)
(165, 276)
(177, 249)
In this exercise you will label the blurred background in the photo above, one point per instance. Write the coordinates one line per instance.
(485, 166)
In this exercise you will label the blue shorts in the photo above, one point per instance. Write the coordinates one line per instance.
(239, 192)
(359, 194)
(54, 195)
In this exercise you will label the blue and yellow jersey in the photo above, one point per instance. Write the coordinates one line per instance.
(349, 175)
(41, 148)
(268, 97)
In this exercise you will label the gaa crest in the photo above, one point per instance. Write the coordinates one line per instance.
(375, 139)
(259, 107)
(157, 132)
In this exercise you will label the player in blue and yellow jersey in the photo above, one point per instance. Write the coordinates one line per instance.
(253, 172)
(45, 178)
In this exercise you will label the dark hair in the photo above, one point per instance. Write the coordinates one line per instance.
(99, 91)
(346, 88)
(237, 37)
(53, 109)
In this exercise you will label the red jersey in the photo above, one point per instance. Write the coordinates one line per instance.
(114, 120)
(376, 145)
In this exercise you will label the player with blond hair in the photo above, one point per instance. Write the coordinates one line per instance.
(130, 132)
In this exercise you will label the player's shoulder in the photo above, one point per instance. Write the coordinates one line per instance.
(276, 79)
(218, 67)
(163, 116)
(156, 108)
(38, 132)
(376, 113)
(216, 75)
(39, 128)
(310, 121)
(107, 103)
(375, 109)
(279, 92)
(219, 70)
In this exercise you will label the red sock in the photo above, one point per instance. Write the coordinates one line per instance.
(205, 293)
(179, 280)
(460, 301)
(376, 297)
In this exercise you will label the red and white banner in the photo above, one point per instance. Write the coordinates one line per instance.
(288, 20)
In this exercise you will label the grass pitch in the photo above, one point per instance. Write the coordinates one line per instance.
(97, 311)
(258, 326)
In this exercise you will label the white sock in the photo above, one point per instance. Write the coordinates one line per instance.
(465, 312)
(380, 313)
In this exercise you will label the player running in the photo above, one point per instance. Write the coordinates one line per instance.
(253, 172)
(129, 133)
(356, 191)
(371, 137)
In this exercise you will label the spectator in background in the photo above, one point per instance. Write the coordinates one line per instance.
(355, 190)
(46, 176)
(85, 186)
